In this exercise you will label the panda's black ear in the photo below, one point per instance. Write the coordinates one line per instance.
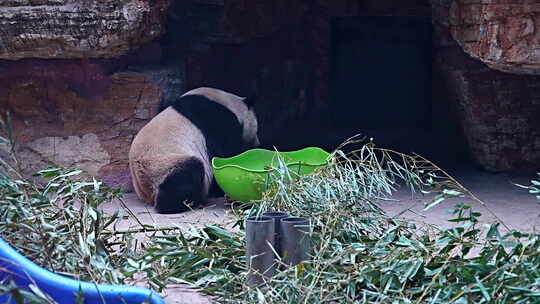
(250, 101)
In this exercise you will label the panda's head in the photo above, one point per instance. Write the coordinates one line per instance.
(241, 107)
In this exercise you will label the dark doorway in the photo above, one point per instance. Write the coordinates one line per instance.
(381, 72)
(382, 80)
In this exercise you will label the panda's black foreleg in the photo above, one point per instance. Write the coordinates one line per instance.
(182, 189)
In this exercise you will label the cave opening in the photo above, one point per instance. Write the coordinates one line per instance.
(381, 72)
(384, 85)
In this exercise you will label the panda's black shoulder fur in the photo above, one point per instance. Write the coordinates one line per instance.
(220, 127)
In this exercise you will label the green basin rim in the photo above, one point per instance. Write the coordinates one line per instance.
(269, 170)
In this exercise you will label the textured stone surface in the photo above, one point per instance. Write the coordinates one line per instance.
(77, 28)
(263, 17)
(281, 51)
(75, 113)
(504, 34)
(84, 152)
(498, 111)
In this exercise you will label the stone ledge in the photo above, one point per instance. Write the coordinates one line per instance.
(78, 29)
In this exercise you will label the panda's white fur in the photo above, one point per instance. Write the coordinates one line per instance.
(170, 157)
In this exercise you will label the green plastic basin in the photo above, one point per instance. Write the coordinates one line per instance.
(244, 177)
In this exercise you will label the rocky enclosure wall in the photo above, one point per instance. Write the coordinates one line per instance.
(504, 34)
(76, 114)
(498, 110)
(81, 77)
(77, 28)
(67, 108)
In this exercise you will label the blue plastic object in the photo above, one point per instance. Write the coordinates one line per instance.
(62, 289)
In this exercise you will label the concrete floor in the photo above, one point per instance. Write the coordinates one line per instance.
(213, 213)
(513, 205)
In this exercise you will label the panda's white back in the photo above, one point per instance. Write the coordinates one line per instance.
(170, 157)
(159, 146)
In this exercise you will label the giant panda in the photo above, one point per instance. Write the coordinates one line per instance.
(169, 158)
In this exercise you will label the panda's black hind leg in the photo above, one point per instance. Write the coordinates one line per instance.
(182, 189)
(215, 190)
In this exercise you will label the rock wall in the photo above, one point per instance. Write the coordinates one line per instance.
(81, 77)
(498, 111)
(504, 34)
(77, 28)
(76, 114)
